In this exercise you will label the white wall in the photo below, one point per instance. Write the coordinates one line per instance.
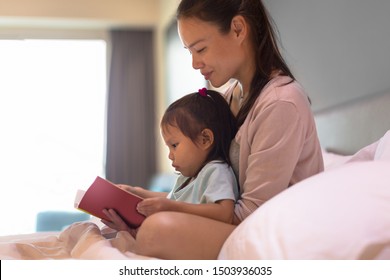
(339, 49)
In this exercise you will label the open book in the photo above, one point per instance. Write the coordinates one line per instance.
(103, 194)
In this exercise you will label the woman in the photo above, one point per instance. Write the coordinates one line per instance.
(276, 145)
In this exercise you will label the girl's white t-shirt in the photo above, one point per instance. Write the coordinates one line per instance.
(216, 181)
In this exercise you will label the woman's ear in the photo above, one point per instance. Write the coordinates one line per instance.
(207, 138)
(239, 27)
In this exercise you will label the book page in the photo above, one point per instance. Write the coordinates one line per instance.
(79, 196)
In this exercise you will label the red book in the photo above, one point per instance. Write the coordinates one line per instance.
(103, 194)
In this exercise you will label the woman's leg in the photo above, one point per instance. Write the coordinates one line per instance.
(172, 235)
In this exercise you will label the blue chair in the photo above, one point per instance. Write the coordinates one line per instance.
(58, 220)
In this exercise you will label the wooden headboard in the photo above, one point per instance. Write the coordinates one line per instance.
(348, 127)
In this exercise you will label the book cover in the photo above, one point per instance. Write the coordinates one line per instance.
(103, 194)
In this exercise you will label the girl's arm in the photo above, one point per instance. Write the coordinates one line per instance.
(221, 210)
(141, 192)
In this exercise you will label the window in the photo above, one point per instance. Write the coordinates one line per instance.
(52, 121)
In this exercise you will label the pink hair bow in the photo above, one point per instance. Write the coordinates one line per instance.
(203, 92)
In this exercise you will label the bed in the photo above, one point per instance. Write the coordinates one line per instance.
(342, 213)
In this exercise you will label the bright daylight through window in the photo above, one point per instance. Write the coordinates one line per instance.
(52, 119)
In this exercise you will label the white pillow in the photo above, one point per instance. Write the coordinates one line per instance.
(383, 149)
(379, 150)
(333, 160)
(343, 213)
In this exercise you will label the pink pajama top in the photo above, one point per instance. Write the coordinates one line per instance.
(276, 146)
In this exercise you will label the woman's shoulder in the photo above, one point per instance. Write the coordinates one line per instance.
(283, 89)
(283, 98)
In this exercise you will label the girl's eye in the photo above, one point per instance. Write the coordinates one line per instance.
(201, 50)
(174, 145)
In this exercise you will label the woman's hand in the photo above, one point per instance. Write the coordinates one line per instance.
(117, 223)
(150, 206)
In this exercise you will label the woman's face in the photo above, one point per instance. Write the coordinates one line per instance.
(218, 56)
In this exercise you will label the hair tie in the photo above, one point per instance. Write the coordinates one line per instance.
(202, 92)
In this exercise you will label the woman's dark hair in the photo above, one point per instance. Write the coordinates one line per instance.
(194, 112)
(268, 56)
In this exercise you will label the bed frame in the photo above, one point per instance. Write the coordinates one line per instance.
(346, 128)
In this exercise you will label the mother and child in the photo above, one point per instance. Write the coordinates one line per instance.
(234, 150)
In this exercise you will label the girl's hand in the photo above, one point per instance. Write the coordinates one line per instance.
(141, 192)
(117, 223)
(127, 188)
(150, 206)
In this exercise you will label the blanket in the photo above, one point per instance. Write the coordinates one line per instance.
(82, 240)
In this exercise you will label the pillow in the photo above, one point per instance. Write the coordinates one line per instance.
(333, 160)
(383, 149)
(379, 150)
(343, 213)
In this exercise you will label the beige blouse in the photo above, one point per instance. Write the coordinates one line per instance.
(277, 143)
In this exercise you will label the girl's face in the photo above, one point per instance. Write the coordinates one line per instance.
(186, 156)
(219, 57)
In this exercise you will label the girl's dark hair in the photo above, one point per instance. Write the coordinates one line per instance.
(195, 112)
(268, 57)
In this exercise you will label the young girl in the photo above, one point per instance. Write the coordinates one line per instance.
(198, 129)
